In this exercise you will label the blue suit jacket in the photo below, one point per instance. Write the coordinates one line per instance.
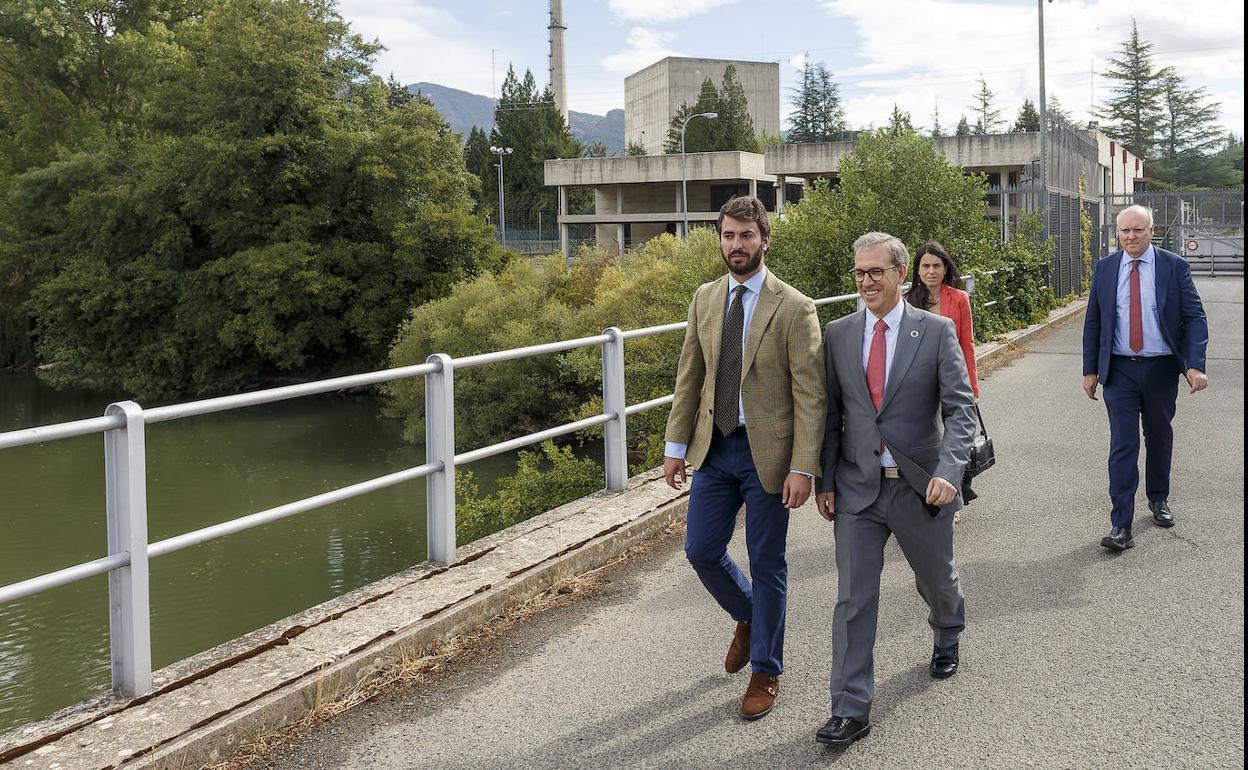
(1179, 313)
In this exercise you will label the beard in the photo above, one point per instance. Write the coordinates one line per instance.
(751, 263)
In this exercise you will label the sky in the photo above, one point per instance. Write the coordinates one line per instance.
(922, 55)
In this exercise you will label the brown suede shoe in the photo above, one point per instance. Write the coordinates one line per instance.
(760, 696)
(739, 650)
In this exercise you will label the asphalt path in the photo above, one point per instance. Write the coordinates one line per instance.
(1073, 657)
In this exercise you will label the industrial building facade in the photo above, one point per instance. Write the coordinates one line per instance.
(654, 95)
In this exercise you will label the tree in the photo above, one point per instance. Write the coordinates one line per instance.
(635, 149)
(244, 204)
(936, 130)
(700, 134)
(526, 120)
(1056, 110)
(398, 94)
(1133, 114)
(899, 121)
(988, 120)
(819, 115)
(964, 128)
(1188, 117)
(480, 161)
(734, 128)
(1028, 119)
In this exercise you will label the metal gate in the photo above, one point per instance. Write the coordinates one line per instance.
(1206, 227)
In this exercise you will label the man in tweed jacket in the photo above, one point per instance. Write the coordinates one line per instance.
(748, 415)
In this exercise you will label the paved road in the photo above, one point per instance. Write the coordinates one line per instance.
(1072, 657)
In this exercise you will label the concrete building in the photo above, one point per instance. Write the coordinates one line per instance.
(653, 95)
(636, 198)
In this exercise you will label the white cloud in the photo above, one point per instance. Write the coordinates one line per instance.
(425, 44)
(645, 47)
(938, 54)
(654, 11)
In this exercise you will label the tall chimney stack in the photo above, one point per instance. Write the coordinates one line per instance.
(558, 73)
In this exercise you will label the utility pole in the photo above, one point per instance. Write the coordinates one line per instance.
(1044, 131)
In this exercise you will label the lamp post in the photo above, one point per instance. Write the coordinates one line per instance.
(684, 190)
(502, 221)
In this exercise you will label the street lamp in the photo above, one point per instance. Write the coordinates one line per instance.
(502, 221)
(684, 190)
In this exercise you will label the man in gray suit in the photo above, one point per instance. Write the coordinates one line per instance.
(900, 423)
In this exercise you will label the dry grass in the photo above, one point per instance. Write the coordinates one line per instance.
(421, 666)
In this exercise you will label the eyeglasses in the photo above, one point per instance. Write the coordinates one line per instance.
(876, 273)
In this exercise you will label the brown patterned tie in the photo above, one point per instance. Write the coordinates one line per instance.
(728, 372)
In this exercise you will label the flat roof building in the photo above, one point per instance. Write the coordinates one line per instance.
(653, 96)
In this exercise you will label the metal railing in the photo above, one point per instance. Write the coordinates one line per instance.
(125, 469)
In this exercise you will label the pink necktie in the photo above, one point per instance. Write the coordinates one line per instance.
(1137, 314)
(875, 363)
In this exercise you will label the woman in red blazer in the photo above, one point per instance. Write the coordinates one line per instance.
(937, 288)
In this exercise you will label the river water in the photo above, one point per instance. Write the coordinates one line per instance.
(54, 647)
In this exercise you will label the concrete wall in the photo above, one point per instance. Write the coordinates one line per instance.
(989, 151)
(653, 95)
(595, 172)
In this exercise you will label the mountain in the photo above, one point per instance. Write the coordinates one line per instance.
(463, 110)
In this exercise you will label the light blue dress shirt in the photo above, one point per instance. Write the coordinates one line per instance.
(1154, 343)
(893, 319)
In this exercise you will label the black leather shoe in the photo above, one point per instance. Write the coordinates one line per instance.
(944, 662)
(1162, 516)
(1118, 539)
(842, 731)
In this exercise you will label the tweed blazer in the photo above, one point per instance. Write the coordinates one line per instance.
(926, 419)
(782, 385)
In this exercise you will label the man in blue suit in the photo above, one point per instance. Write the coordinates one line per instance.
(1144, 328)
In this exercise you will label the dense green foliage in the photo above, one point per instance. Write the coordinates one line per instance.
(899, 183)
(541, 301)
(232, 198)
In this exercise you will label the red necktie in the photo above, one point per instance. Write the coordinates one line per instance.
(875, 363)
(1137, 314)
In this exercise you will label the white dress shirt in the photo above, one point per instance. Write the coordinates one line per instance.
(893, 319)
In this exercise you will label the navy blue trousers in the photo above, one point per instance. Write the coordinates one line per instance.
(1139, 391)
(727, 479)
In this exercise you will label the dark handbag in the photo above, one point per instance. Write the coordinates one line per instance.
(982, 455)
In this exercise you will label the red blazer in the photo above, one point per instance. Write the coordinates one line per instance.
(955, 304)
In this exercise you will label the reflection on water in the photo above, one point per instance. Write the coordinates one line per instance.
(54, 647)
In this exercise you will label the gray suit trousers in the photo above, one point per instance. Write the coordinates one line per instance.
(927, 543)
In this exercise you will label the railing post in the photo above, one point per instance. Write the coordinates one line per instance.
(440, 450)
(614, 403)
(129, 614)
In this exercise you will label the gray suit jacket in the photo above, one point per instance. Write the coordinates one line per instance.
(927, 418)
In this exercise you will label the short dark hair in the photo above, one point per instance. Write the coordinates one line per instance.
(746, 208)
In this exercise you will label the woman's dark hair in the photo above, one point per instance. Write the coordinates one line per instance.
(918, 294)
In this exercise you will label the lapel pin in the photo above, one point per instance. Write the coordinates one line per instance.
(914, 332)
